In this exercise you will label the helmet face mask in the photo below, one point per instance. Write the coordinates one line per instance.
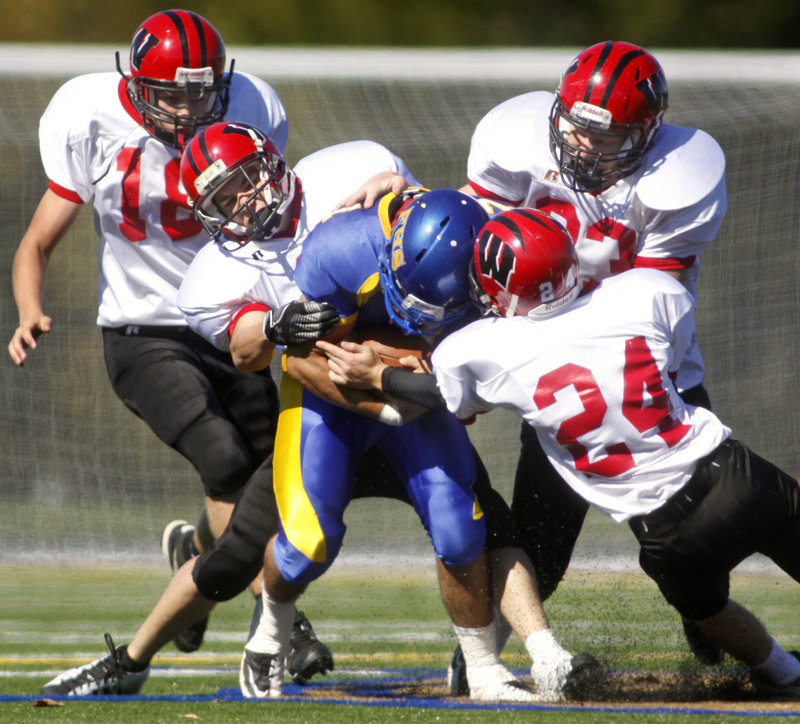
(593, 158)
(177, 83)
(248, 203)
(608, 107)
(239, 183)
(424, 265)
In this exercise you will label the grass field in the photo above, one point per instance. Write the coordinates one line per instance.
(381, 622)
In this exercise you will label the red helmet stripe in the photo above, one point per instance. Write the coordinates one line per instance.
(201, 35)
(203, 148)
(510, 222)
(594, 75)
(622, 64)
(183, 33)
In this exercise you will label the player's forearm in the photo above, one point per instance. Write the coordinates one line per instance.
(250, 350)
(51, 220)
(28, 281)
(310, 369)
(406, 385)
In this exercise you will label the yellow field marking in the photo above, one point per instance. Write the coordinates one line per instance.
(216, 659)
(343, 660)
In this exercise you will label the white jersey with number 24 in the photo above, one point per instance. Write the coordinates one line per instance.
(595, 383)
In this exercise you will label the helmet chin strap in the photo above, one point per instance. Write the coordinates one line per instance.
(288, 197)
(512, 305)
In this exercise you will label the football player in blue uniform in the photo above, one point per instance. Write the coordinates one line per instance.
(323, 429)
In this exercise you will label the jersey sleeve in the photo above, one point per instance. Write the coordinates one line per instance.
(256, 102)
(453, 361)
(65, 142)
(502, 145)
(218, 288)
(684, 200)
(674, 239)
(672, 314)
(337, 264)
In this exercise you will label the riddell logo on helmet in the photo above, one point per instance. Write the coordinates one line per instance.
(211, 177)
(595, 114)
(204, 76)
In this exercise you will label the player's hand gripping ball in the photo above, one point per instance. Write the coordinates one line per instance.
(391, 344)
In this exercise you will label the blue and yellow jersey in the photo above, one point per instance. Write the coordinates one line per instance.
(339, 263)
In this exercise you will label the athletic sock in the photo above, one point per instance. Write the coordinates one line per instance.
(780, 667)
(502, 631)
(127, 663)
(274, 629)
(203, 532)
(478, 645)
(542, 643)
(256, 617)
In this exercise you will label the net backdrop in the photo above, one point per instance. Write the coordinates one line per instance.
(82, 476)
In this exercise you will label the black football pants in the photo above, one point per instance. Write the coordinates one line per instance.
(549, 515)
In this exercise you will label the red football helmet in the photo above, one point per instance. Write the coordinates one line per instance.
(177, 78)
(238, 182)
(524, 264)
(617, 93)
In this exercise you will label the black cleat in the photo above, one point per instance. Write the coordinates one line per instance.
(105, 675)
(178, 546)
(307, 655)
(585, 679)
(704, 651)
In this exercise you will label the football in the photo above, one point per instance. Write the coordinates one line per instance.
(391, 344)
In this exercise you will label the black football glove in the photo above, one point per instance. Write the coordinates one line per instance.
(299, 322)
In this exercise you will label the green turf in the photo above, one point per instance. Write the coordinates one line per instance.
(54, 617)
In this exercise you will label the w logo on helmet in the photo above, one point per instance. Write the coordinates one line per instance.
(496, 260)
(143, 42)
(654, 90)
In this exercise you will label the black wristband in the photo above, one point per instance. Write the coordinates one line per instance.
(407, 385)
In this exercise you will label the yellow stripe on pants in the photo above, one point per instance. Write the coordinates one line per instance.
(298, 517)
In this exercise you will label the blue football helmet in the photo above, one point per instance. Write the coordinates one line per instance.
(425, 264)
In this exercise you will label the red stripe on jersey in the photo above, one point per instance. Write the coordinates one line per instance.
(674, 264)
(67, 194)
(252, 307)
(480, 191)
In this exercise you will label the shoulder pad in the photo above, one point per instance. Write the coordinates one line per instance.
(511, 138)
(517, 116)
(683, 166)
(532, 103)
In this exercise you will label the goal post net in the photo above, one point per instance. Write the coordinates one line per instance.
(81, 473)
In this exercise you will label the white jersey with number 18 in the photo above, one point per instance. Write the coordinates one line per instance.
(94, 149)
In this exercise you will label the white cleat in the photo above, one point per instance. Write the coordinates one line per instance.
(564, 676)
(261, 675)
(495, 683)
(550, 675)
